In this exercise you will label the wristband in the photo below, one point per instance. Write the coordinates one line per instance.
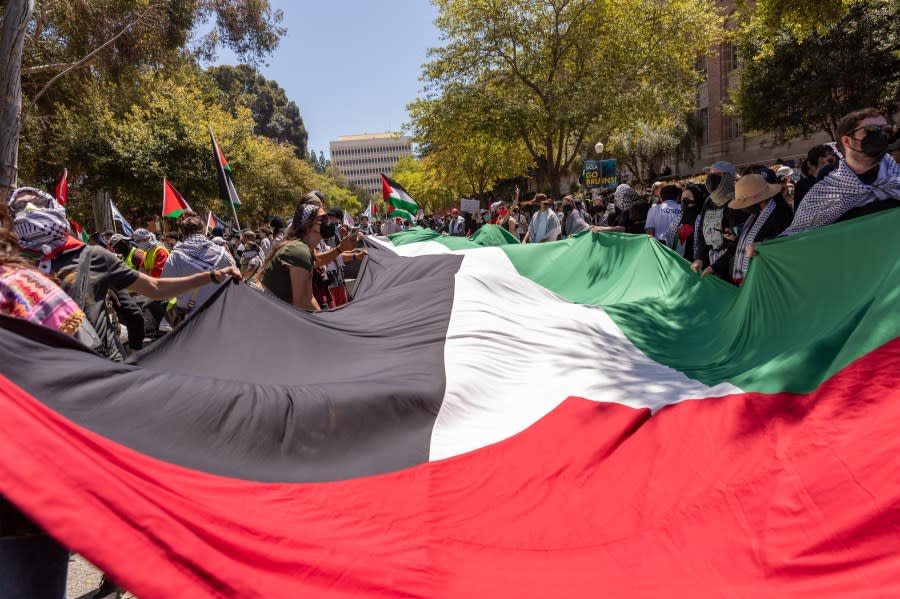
(212, 276)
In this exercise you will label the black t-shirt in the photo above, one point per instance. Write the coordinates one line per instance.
(106, 273)
(801, 189)
(870, 176)
(870, 208)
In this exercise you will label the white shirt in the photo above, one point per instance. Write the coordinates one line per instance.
(661, 217)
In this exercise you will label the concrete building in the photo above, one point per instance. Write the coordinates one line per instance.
(723, 135)
(362, 158)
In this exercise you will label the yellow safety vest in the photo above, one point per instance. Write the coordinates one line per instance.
(129, 259)
(150, 257)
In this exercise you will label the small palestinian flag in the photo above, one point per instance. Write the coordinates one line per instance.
(62, 188)
(227, 191)
(212, 221)
(80, 233)
(173, 203)
(399, 203)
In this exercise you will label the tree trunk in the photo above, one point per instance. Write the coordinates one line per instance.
(12, 39)
(553, 180)
(102, 214)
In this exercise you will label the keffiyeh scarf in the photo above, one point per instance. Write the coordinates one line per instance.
(42, 231)
(543, 226)
(200, 251)
(842, 191)
(748, 236)
(625, 197)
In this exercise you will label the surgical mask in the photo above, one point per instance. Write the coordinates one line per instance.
(875, 144)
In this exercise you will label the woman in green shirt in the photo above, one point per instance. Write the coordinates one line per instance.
(287, 272)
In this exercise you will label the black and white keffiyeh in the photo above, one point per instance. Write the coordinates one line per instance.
(200, 251)
(842, 191)
(41, 230)
(748, 235)
(625, 197)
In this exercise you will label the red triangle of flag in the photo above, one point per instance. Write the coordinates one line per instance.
(173, 203)
(62, 188)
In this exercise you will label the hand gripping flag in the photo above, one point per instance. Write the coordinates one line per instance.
(117, 217)
(62, 188)
(584, 418)
(173, 203)
(399, 203)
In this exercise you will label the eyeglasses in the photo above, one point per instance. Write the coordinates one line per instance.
(887, 129)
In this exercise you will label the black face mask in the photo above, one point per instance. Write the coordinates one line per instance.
(567, 209)
(875, 144)
(326, 230)
(754, 209)
(712, 182)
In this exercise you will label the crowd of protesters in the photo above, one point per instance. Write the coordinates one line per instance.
(146, 285)
(714, 220)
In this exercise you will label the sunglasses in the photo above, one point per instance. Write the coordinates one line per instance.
(321, 219)
(887, 129)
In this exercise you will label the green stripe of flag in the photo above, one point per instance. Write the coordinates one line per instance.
(811, 304)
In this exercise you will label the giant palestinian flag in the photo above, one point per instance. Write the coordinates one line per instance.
(398, 202)
(585, 418)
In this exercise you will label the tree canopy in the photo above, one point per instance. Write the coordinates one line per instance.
(465, 157)
(113, 91)
(276, 116)
(804, 86)
(127, 148)
(420, 179)
(555, 74)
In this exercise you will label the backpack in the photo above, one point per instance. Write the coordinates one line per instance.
(100, 329)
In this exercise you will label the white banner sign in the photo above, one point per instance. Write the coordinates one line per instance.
(471, 206)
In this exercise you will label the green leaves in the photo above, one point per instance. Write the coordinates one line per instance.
(276, 116)
(797, 87)
(126, 147)
(552, 73)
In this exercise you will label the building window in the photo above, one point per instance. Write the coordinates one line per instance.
(704, 124)
(737, 127)
(702, 66)
(729, 58)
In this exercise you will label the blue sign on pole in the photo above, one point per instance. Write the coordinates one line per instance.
(600, 174)
(609, 176)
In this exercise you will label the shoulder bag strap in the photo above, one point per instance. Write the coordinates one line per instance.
(83, 275)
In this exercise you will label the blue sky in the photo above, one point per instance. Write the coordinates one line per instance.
(351, 66)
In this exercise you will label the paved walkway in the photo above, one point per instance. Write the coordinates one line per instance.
(84, 579)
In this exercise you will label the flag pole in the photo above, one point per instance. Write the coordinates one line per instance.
(234, 212)
(111, 216)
